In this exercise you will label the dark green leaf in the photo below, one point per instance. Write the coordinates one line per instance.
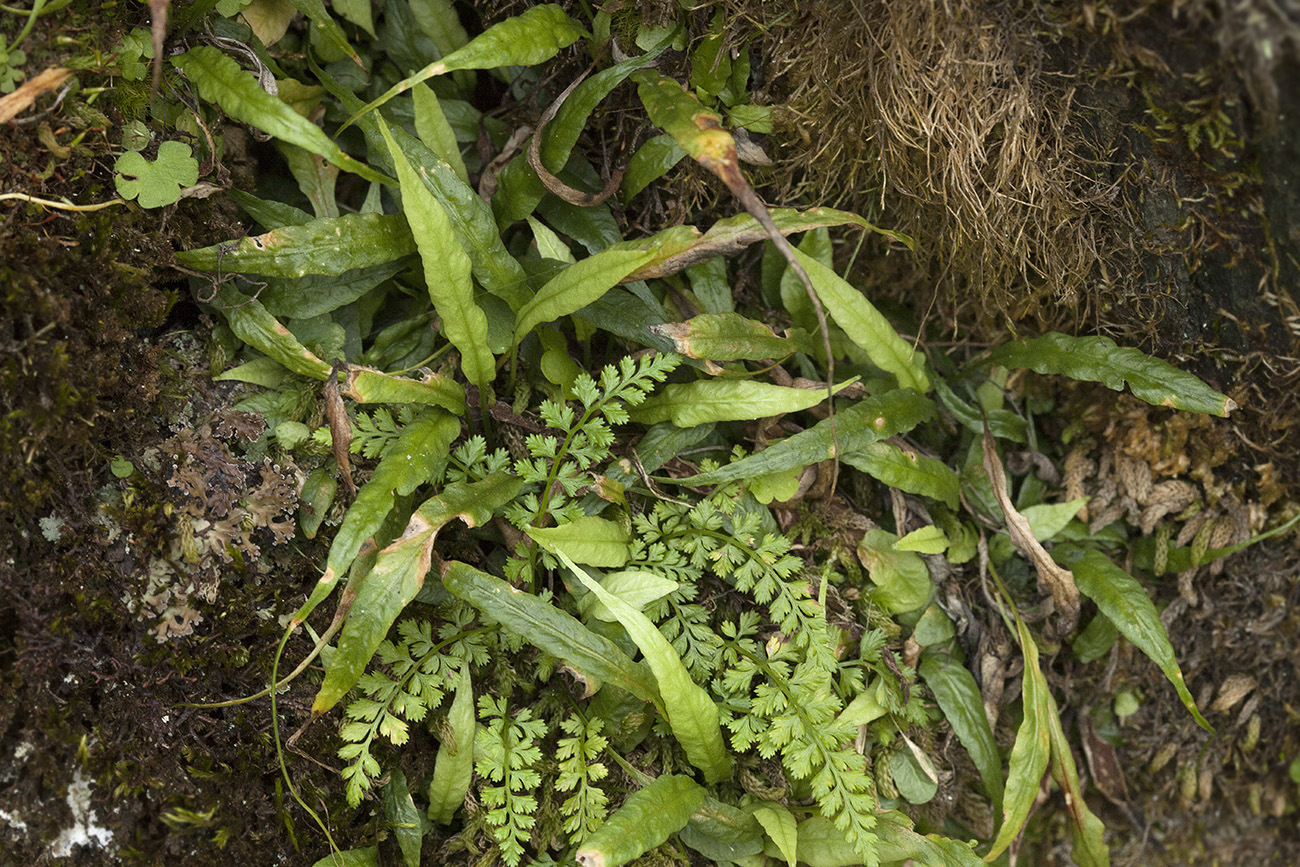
(959, 698)
(1099, 359)
(907, 471)
(330, 246)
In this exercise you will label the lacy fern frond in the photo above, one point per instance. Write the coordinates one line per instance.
(577, 755)
(410, 678)
(782, 704)
(506, 754)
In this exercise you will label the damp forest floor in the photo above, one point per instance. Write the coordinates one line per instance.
(106, 358)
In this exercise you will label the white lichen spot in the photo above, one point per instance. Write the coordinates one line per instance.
(84, 831)
(52, 528)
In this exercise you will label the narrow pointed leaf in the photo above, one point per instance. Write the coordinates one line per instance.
(398, 575)
(635, 587)
(781, 828)
(435, 132)
(454, 766)
(1122, 599)
(714, 400)
(651, 162)
(222, 82)
(680, 247)
(447, 270)
(866, 422)
(330, 246)
(865, 325)
(402, 817)
(554, 631)
(959, 698)
(577, 286)
(525, 40)
(913, 473)
(366, 385)
(690, 711)
(260, 330)
(418, 455)
(325, 25)
(1086, 831)
(725, 337)
(305, 297)
(1099, 359)
(1032, 750)
(645, 821)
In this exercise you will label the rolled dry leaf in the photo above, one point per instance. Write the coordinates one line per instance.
(16, 103)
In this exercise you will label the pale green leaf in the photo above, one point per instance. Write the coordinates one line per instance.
(714, 400)
(915, 782)
(398, 575)
(330, 246)
(646, 820)
(725, 337)
(590, 539)
(367, 857)
(577, 286)
(365, 385)
(1087, 832)
(157, 183)
(528, 39)
(558, 633)
(221, 81)
(690, 711)
(651, 162)
(635, 587)
(549, 245)
(721, 832)
(901, 577)
(781, 827)
(926, 540)
(447, 270)
(1048, 519)
(1099, 359)
(454, 766)
(866, 422)
(865, 325)
(433, 129)
(259, 329)
(1032, 750)
(907, 471)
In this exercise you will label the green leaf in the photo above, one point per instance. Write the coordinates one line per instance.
(725, 337)
(549, 244)
(645, 821)
(221, 81)
(959, 698)
(454, 766)
(554, 631)
(157, 183)
(401, 816)
(577, 286)
(438, 20)
(651, 162)
(418, 455)
(366, 385)
(590, 539)
(821, 844)
(1048, 519)
(781, 828)
(1122, 599)
(691, 714)
(525, 40)
(260, 330)
(434, 130)
(1096, 640)
(1099, 359)
(865, 325)
(907, 471)
(869, 420)
(901, 577)
(367, 857)
(780, 486)
(926, 540)
(1032, 750)
(398, 575)
(326, 28)
(1087, 833)
(635, 587)
(714, 400)
(900, 844)
(721, 832)
(681, 247)
(313, 295)
(447, 270)
(916, 783)
(330, 246)
(315, 499)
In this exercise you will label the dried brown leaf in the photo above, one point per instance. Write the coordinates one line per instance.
(1059, 581)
